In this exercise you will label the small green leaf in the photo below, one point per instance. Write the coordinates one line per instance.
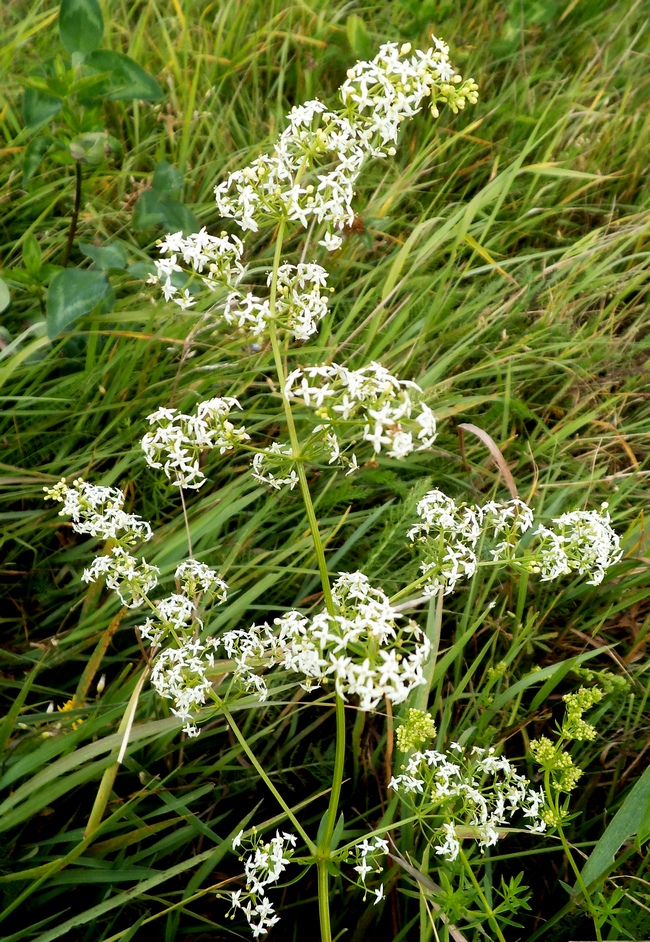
(108, 256)
(167, 180)
(81, 25)
(338, 832)
(124, 78)
(34, 153)
(73, 293)
(32, 255)
(5, 297)
(39, 107)
(89, 148)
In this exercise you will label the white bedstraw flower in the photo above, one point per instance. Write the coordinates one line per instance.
(313, 168)
(369, 403)
(132, 579)
(449, 533)
(273, 467)
(581, 541)
(476, 790)
(263, 866)
(214, 261)
(367, 856)
(180, 674)
(300, 304)
(98, 511)
(195, 577)
(178, 440)
(364, 649)
(309, 177)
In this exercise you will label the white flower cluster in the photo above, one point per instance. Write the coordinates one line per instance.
(300, 305)
(99, 511)
(272, 466)
(132, 579)
(581, 541)
(361, 648)
(479, 790)
(451, 532)
(177, 442)
(365, 855)
(316, 162)
(385, 410)
(217, 259)
(179, 671)
(263, 867)
(310, 176)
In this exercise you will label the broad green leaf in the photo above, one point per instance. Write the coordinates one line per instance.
(108, 256)
(630, 819)
(89, 148)
(154, 210)
(141, 270)
(81, 25)
(72, 294)
(39, 107)
(124, 78)
(5, 297)
(34, 153)
(167, 180)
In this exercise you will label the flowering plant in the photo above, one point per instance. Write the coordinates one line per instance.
(358, 644)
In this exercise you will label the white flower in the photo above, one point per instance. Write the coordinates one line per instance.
(331, 242)
(263, 866)
(581, 541)
(98, 511)
(479, 789)
(272, 467)
(176, 444)
(363, 648)
(370, 403)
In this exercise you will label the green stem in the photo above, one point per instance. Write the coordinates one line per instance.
(553, 800)
(323, 902)
(267, 781)
(486, 906)
(579, 880)
(78, 179)
(321, 853)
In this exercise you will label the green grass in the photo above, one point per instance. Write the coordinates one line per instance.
(502, 260)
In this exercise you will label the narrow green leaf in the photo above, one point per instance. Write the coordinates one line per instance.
(8, 723)
(5, 297)
(124, 79)
(73, 293)
(81, 25)
(630, 818)
(32, 255)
